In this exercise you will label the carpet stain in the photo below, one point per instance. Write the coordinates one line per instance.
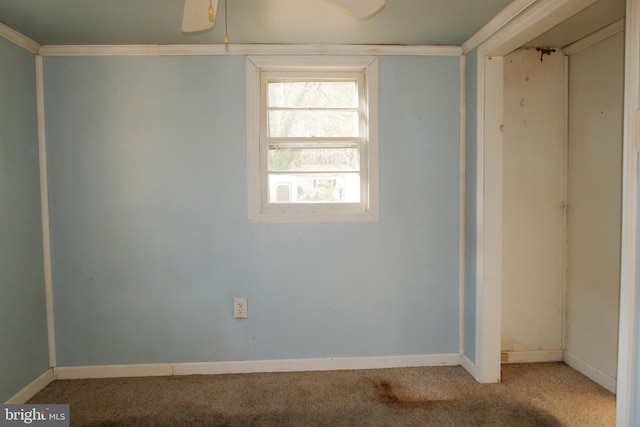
(472, 410)
(399, 395)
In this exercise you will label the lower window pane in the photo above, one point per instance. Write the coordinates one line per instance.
(334, 187)
(314, 159)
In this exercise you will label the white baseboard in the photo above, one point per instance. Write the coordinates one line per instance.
(112, 371)
(537, 356)
(30, 390)
(594, 374)
(250, 366)
(469, 366)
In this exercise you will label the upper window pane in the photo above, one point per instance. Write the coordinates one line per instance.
(313, 94)
(312, 123)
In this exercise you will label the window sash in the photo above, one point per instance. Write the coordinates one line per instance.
(267, 142)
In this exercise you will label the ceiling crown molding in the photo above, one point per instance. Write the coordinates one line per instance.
(247, 49)
(19, 39)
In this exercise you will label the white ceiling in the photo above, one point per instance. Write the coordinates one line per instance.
(400, 22)
(404, 22)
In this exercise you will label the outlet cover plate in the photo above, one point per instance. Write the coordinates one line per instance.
(240, 308)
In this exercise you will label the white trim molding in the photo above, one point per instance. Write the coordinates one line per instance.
(30, 390)
(19, 39)
(489, 241)
(246, 49)
(469, 366)
(589, 371)
(462, 207)
(44, 207)
(500, 20)
(251, 366)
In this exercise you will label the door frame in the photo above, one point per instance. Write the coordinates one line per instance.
(542, 16)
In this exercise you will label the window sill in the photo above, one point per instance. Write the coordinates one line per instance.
(299, 218)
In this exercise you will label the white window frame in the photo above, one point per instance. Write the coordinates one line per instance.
(260, 210)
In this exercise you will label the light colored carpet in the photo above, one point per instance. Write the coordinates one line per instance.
(548, 394)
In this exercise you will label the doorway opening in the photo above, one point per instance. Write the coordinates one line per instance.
(562, 205)
(568, 335)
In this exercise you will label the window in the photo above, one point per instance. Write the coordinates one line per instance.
(312, 149)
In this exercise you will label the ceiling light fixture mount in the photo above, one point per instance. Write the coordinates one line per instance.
(212, 12)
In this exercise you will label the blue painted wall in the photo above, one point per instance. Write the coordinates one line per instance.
(471, 173)
(150, 237)
(23, 324)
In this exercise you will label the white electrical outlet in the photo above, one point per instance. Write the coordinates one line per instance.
(240, 308)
